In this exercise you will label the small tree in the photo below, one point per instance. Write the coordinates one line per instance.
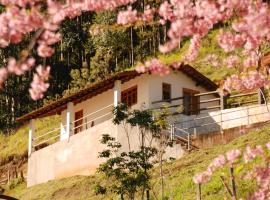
(130, 171)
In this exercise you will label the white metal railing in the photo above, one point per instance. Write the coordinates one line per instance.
(186, 138)
(186, 135)
(40, 140)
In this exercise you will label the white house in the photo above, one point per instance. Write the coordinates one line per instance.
(87, 114)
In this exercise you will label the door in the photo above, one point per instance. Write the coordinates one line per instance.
(191, 103)
(78, 122)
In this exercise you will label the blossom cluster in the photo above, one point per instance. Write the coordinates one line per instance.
(154, 66)
(218, 162)
(246, 81)
(260, 172)
(130, 16)
(39, 85)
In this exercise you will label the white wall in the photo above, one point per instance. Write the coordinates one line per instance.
(92, 105)
(142, 83)
(178, 81)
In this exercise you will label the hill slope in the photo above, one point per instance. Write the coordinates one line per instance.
(178, 178)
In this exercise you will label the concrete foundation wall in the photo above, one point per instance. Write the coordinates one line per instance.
(79, 154)
(76, 156)
(212, 139)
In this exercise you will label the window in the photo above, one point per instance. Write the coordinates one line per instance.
(166, 92)
(129, 96)
(78, 122)
(191, 103)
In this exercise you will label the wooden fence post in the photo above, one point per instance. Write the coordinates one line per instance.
(199, 192)
(8, 176)
(233, 183)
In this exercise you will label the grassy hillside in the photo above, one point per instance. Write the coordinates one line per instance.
(15, 145)
(178, 177)
(209, 47)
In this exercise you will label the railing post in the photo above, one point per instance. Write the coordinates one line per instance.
(31, 134)
(172, 131)
(248, 116)
(195, 132)
(86, 123)
(223, 102)
(70, 119)
(188, 141)
(260, 96)
(223, 105)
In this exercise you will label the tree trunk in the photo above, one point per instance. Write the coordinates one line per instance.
(131, 46)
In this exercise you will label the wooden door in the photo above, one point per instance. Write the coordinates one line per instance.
(191, 103)
(78, 122)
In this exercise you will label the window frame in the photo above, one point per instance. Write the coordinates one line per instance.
(164, 85)
(127, 96)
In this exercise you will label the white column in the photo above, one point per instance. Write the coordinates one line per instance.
(70, 119)
(62, 132)
(117, 93)
(31, 134)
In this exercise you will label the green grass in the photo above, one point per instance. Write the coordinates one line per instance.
(178, 177)
(209, 46)
(14, 146)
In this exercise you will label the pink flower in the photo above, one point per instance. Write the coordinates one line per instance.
(202, 178)
(250, 153)
(245, 82)
(127, 17)
(165, 11)
(154, 66)
(193, 50)
(228, 41)
(213, 60)
(45, 51)
(49, 38)
(141, 69)
(169, 46)
(148, 14)
(17, 68)
(233, 155)
(232, 61)
(251, 60)
(268, 146)
(219, 161)
(38, 85)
